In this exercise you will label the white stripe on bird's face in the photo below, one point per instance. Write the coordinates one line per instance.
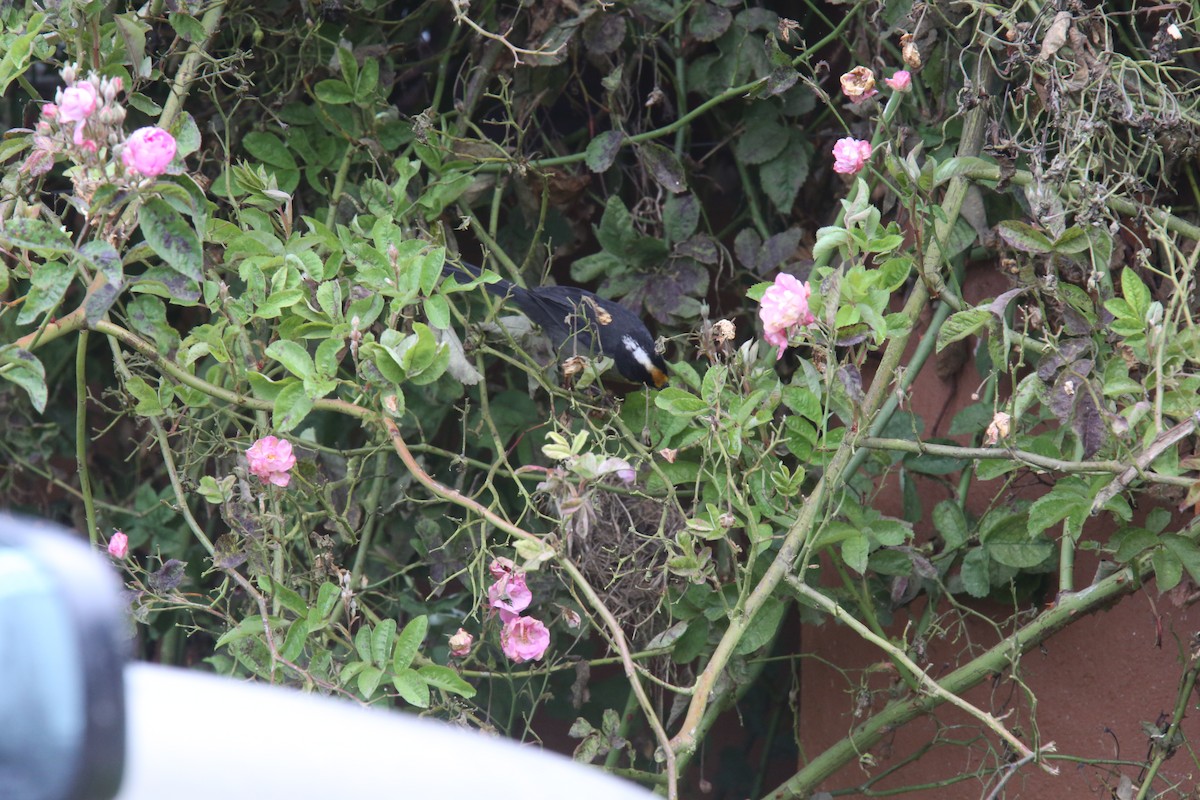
(639, 353)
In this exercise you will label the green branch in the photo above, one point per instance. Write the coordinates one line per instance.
(1021, 456)
(1069, 609)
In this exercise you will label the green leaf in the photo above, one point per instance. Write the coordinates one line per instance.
(681, 216)
(293, 643)
(1073, 240)
(950, 522)
(35, 234)
(1135, 293)
(975, 573)
(1068, 498)
(709, 21)
(762, 628)
(1012, 547)
(291, 406)
(381, 641)
(782, 176)
(347, 62)
(188, 27)
(333, 92)
(602, 151)
(972, 419)
(1186, 551)
(16, 58)
(888, 531)
(412, 687)
(765, 136)
(928, 464)
(104, 259)
(172, 238)
(368, 680)
(269, 148)
(216, 492)
(25, 370)
(663, 166)
(855, 551)
(1168, 569)
(1024, 238)
(368, 80)
(48, 287)
(691, 643)
(409, 643)
(327, 597)
(677, 401)
(293, 356)
(362, 643)
(615, 233)
(148, 404)
(1131, 543)
(962, 324)
(446, 679)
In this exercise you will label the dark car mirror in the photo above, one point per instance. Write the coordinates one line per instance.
(79, 723)
(62, 696)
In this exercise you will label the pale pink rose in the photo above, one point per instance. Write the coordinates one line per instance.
(118, 545)
(784, 309)
(501, 566)
(77, 104)
(271, 459)
(901, 81)
(850, 155)
(460, 644)
(510, 596)
(524, 639)
(50, 110)
(148, 151)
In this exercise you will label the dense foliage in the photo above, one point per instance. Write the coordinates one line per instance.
(619, 556)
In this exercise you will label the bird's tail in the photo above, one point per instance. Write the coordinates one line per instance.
(469, 272)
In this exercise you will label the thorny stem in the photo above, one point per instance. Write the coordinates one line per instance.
(1022, 456)
(81, 438)
(807, 593)
(190, 66)
(1165, 747)
(1067, 610)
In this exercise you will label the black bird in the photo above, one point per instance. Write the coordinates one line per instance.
(576, 319)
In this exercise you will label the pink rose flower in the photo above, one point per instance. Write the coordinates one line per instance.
(118, 545)
(901, 81)
(784, 309)
(148, 151)
(77, 104)
(524, 639)
(510, 596)
(850, 155)
(271, 459)
(460, 644)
